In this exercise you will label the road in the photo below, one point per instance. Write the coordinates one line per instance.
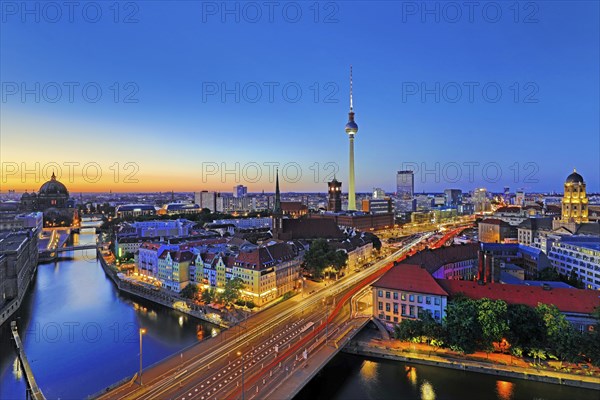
(255, 354)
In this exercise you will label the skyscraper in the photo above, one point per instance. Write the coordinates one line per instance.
(405, 185)
(351, 130)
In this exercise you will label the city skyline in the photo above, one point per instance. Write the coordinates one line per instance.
(170, 127)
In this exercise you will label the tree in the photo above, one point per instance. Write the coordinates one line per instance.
(491, 315)
(231, 291)
(408, 329)
(462, 326)
(554, 321)
(431, 328)
(526, 328)
(561, 338)
(538, 354)
(549, 274)
(208, 296)
(591, 340)
(321, 255)
(190, 291)
(315, 259)
(338, 259)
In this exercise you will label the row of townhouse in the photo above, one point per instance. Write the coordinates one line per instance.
(267, 271)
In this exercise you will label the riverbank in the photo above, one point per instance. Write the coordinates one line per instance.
(160, 297)
(367, 346)
(13, 306)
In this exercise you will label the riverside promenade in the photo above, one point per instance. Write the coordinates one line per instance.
(163, 298)
(367, 344)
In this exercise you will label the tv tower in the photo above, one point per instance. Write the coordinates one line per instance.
(351, 130)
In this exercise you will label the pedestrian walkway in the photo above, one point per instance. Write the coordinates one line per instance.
(497, 364)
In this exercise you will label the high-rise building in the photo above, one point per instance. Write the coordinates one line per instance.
(481, 202)
(575, 201)
(351, 130)
(240, 191)
(405, 185)
(453, 197)
(206, 199)
(335, 196)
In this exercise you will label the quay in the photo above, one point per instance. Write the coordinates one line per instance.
(157, 296)
(33, 391)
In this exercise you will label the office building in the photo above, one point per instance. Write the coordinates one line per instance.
(453, 197)
(206, 199)
(405, 185)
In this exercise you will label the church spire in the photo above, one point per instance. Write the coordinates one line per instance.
(277, 209)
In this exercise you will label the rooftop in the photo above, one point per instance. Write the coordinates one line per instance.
(410, 278)
(432, 260)
(567, 300)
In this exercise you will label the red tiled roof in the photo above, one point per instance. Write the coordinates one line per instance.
(410, 278)
(150, 246)
(565, 299)
(182, 256)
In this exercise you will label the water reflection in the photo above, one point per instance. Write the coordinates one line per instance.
(349, 377)
(73, 314)
(411, 373)
(504, 390)
(17, 371)
(369, 370)
(427, 392)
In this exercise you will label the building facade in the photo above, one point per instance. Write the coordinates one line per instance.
(575, 202)
(406, 291)
(334, 203)
(405, 185)
(579, 255)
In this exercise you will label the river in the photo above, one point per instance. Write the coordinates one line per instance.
(349, 377)
(81, 335)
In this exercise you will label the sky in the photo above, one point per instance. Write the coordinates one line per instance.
(190, 95)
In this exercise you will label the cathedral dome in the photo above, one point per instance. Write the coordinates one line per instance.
(574, 178)
(53, 187)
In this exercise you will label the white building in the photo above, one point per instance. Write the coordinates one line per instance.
(406, 291)
(578, 254)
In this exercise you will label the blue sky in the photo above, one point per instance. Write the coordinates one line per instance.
(528, 106)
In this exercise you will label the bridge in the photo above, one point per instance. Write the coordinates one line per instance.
(70, 248)
(272, 355)
(33, 391)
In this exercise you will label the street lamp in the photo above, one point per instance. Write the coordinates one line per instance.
(239, 353)
(142, 331)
